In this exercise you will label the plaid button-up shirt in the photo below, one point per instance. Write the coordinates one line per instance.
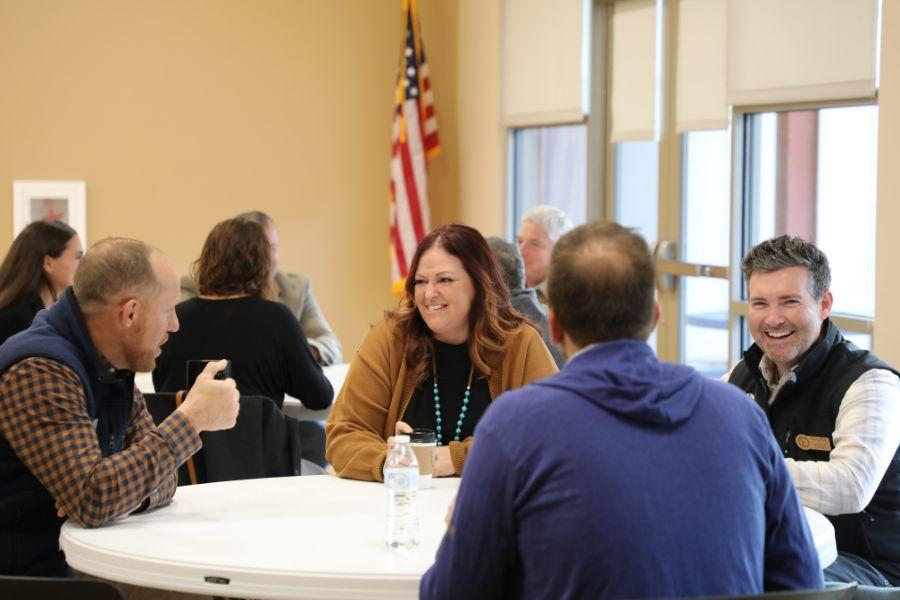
(44, 418)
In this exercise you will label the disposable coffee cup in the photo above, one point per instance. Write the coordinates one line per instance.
(424, 444)
(195, 367)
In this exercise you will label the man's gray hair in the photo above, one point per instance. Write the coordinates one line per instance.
(510, 262)
(113, 268)
(554, 221)
(786, 251)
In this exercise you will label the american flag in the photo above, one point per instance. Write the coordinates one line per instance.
(414, 140)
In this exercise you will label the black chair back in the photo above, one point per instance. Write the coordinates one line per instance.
(263, 443)
(55, 588)
(835, 591)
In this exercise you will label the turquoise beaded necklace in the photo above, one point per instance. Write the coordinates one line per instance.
(462, 410)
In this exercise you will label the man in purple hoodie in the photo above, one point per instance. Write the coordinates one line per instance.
(621, 476)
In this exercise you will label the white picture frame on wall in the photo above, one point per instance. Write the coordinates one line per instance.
(50, 200)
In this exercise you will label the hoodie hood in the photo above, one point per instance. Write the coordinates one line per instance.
(626, 378)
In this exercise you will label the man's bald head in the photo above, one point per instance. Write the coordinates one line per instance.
(114, 268)
(601, 284)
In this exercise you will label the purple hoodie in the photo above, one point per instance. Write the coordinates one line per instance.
(623, 477)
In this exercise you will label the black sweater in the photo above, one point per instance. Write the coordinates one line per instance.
(18, 315)
(268, 351)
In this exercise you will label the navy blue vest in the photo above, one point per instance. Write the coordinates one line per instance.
(808, 406)
(29, 527)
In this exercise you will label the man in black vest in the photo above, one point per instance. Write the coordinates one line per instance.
(834, 408)
(76, 440)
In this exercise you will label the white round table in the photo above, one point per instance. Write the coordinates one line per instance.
(288, 537)
(823, 536)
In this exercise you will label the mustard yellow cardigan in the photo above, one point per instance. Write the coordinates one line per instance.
(379, 386)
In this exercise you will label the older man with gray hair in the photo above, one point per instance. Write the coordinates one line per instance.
(540, 228)
(834, 408)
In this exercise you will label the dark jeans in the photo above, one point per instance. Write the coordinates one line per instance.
(849, 567)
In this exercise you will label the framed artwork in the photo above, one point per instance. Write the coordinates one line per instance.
(50, 201)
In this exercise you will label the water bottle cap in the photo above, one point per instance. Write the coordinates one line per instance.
(401, 439)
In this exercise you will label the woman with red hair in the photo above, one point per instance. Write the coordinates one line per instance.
(454, 344)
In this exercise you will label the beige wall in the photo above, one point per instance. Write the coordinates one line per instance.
(482, 170)
(887, 282)
(462, 38)
(179, 113)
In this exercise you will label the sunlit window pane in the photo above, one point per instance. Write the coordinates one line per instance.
(550, 167)
(705, 325)
(863, 340)
(637, 187)
(846, 210)
(706, 160)
(813, 174)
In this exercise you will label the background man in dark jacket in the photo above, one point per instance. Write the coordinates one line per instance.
(523, 299)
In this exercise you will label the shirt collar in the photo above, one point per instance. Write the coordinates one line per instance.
(106, 372)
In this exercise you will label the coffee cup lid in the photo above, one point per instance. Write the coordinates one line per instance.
(423, 436)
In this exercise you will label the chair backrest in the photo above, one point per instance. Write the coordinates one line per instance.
(160, 405)
(263, 443)
(54, 588)
(840, 591)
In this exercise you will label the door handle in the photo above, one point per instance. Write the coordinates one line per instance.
(668, 269)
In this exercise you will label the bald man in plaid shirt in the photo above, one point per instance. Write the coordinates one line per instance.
(76, 440)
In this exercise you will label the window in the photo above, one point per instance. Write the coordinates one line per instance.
(637, 187)
(705, 205)
(549, 166)
(812, 173)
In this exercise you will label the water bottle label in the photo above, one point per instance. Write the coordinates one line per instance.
(402, 480)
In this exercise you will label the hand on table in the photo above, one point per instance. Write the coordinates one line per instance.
(443, 463)
(212, 404)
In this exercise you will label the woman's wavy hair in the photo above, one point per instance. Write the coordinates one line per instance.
(235, 259)
(22, 272)
(491, 318)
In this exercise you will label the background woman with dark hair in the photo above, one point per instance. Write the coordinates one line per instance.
(40, 264)
(454, 344)
(234, 318)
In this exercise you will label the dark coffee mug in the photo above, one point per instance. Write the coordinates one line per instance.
(195, 367)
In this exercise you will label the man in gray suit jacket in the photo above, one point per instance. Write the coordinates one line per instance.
(295, 291)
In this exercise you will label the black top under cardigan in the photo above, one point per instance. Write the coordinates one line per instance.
(453, 366)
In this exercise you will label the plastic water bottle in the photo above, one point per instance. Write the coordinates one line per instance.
(401, 482)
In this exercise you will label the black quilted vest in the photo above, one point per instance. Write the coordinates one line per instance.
(808, 406)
